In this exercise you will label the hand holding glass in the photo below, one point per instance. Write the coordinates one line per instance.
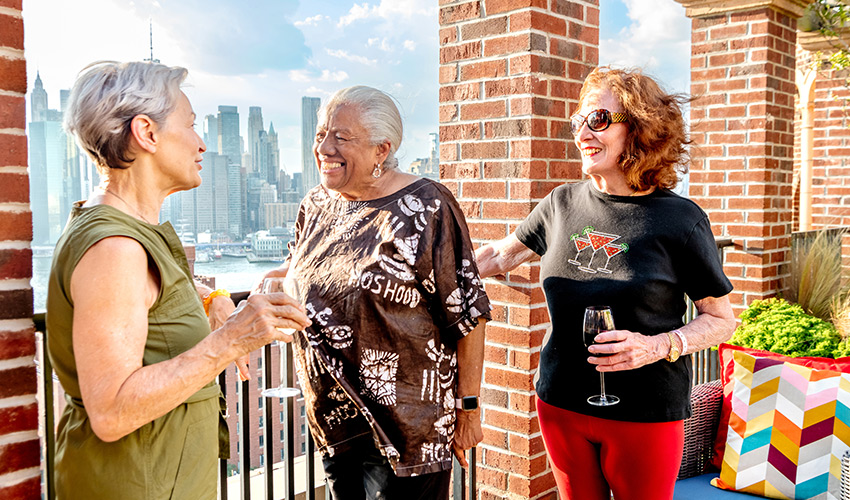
(598, 319)
(290, 287)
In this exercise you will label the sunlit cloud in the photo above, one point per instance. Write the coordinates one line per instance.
(409, 45)
(311, 21)
(342, 54)
(333, 76)
(664, 54)
(357, 12)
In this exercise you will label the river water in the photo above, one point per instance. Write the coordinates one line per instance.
(233, 274)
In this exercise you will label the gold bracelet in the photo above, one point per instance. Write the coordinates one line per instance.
(221, 292)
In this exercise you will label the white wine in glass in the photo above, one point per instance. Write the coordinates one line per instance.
(598, 319)
(290, 287)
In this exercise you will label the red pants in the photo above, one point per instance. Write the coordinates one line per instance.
(590, 456)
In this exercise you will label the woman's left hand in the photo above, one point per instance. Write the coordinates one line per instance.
(221, 308)
(468, 434)
(629, 350)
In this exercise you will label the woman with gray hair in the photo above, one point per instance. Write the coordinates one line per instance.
(391, 366)
(128, 336)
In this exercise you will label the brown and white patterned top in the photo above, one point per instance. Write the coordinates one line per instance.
(390, 285)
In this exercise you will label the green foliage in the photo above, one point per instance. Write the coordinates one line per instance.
(779, 326)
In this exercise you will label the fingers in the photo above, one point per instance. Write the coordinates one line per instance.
(242, 368)
(460, 454)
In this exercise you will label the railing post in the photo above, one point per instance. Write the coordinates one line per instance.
(222, 463)
(245, 437)
(267, 426)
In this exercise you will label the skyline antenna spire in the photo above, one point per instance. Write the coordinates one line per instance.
(150, 28)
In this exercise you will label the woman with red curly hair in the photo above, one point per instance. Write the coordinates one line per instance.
(621, 239)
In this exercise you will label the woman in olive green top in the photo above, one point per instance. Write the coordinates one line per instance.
(128, 337)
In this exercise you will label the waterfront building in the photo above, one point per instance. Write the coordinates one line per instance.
(280, 214)
(309, 122)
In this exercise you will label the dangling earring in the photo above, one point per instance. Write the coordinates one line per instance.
(376, 172)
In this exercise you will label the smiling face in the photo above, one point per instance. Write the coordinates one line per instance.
(601, 151)
(179, 148)
(344, 153)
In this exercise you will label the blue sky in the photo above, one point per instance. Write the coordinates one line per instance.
(269, 53)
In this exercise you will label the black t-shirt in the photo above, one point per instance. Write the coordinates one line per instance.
(640, 255)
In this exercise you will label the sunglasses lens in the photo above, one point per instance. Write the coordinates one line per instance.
(598, 120)
(576, 122)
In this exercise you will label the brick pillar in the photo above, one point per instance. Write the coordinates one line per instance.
(510, 74)
(743, 70)
(19, 443)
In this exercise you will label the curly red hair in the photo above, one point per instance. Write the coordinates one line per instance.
(656, 152)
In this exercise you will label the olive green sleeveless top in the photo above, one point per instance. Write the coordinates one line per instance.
(175, 455)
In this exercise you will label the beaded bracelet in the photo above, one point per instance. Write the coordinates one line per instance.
(221, 292)
(684, 341)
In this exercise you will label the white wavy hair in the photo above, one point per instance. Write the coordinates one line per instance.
(379, 115)
(107, 95)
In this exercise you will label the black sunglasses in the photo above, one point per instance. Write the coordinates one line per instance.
(597, 120)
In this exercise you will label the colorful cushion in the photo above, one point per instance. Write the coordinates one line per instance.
(787, 430)
(726, 367)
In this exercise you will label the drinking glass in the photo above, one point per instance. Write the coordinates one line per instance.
(289, 286)
(598, 319)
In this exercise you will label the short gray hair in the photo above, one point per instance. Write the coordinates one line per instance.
(379, 116)
(108, 95)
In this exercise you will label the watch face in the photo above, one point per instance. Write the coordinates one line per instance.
(469, 403)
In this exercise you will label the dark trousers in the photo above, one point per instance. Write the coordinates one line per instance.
(362, 473)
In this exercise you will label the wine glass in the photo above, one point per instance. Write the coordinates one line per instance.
(289, 286)
(598, 319)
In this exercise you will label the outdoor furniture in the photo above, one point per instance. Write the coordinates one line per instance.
(695, 471)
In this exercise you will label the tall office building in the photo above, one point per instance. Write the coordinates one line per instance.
(47, 149)
(38, 100)
(229, 141)
(255, 126)
(309, 121)
(235, 194)
(211, 133)
(274, 154)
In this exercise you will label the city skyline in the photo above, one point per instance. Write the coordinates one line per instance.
(277, 51)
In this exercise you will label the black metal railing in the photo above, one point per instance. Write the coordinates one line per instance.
(464, 481)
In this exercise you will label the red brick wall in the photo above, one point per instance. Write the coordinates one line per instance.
(19, 444)
(742, 69)
(510, 74)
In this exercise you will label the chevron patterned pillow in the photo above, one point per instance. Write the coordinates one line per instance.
(787, 430)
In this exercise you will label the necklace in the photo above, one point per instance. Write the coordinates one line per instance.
(107, 190)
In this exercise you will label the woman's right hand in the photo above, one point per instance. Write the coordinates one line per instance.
(257, 320)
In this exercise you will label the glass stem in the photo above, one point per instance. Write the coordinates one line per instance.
(602, 384)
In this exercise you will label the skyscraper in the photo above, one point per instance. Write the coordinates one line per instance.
(211, 133)
(274, 154)
(309, 121)
(255, 126)
(38, 100)
(229, 141)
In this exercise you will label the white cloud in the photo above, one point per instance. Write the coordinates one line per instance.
(381, 43)
(389, 10)
(663, 53)
(333, 76)
(357, 12)
(342, 54)
(311, 21)
(299, 75)
(410, 45)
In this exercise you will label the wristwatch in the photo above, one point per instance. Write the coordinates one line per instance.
(673, 355)
(467, 403)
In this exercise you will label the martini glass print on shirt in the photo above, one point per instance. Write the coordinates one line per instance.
(610, 251)
(581, 242)
(598, 240)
